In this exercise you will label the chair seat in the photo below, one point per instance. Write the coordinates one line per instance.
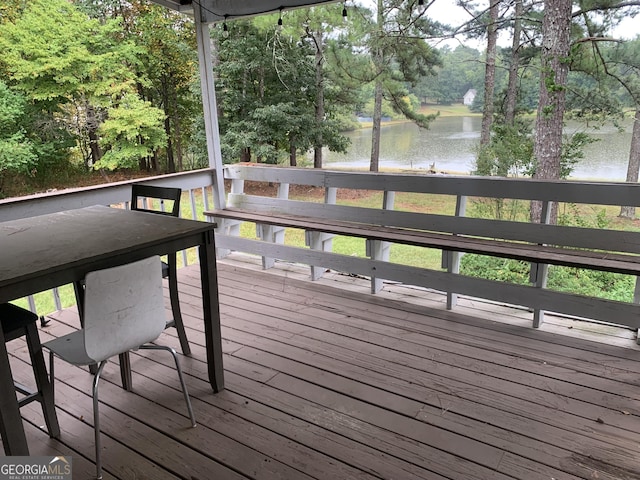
(70, 348)
(14, 319)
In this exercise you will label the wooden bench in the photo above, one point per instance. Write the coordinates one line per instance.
(567, 256)
(540, 244)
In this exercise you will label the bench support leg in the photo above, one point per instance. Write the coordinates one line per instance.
(318, 241)
(541, 270)
(377, 250)
(451, 261)
(226, 227)
(273, 234)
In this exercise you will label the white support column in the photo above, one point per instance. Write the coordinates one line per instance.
(451, 260)
(539, 271)
(207, 86)
(377, 249)
(320, 240)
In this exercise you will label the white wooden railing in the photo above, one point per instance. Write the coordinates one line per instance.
(199, 184)
(271, 244)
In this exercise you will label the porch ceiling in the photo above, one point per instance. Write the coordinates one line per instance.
(217, 10)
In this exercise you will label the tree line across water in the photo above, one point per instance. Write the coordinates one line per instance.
(108, 84)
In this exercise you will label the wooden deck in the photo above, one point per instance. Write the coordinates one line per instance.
(326, 381)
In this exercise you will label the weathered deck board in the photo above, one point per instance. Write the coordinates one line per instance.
(325, 382)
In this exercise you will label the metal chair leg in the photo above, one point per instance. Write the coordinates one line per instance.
(175, 305)
(96, 420)
(180, 376)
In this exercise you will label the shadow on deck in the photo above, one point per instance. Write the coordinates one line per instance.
(326, 381)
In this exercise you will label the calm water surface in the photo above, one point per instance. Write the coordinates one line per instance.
(450, 143)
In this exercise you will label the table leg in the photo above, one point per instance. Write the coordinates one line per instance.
(211, 311)
(11, 428)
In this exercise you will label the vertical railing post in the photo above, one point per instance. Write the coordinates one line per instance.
(451, 260)
(378, 249)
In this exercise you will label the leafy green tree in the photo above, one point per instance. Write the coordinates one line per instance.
(17, 152)
(589, 26)
(399, 56)
(388, 50)
(320, 27)
(461, 70)
(131, 131)
(267, 91)
(553, 80)
(524, 20)
(54, 53)
(66, 63)
(610, 64)
(167, 68)
(32, 143)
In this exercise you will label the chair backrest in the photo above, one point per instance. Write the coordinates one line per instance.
(123, 309)
(141, 193)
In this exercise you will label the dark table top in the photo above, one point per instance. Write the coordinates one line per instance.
(46, 251)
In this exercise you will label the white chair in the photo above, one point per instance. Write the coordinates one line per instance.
(123, 310)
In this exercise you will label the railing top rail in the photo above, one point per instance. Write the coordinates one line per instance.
(103, 194)
(599, 193)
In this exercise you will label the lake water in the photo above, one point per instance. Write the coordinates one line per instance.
(450, 143)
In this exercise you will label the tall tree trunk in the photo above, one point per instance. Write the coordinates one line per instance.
(375, 134)
(177, 134)
(171, 164)
(319, 107)
(547, 149)
(512, 86)
(490, 73)
(634, 162)
(155, 164)
(293, 155)
(378, 61)
(245, 154)
(92, 132)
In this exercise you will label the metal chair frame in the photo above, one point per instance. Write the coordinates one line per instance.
(123, 310)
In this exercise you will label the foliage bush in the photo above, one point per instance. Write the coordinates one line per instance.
(592, 283)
